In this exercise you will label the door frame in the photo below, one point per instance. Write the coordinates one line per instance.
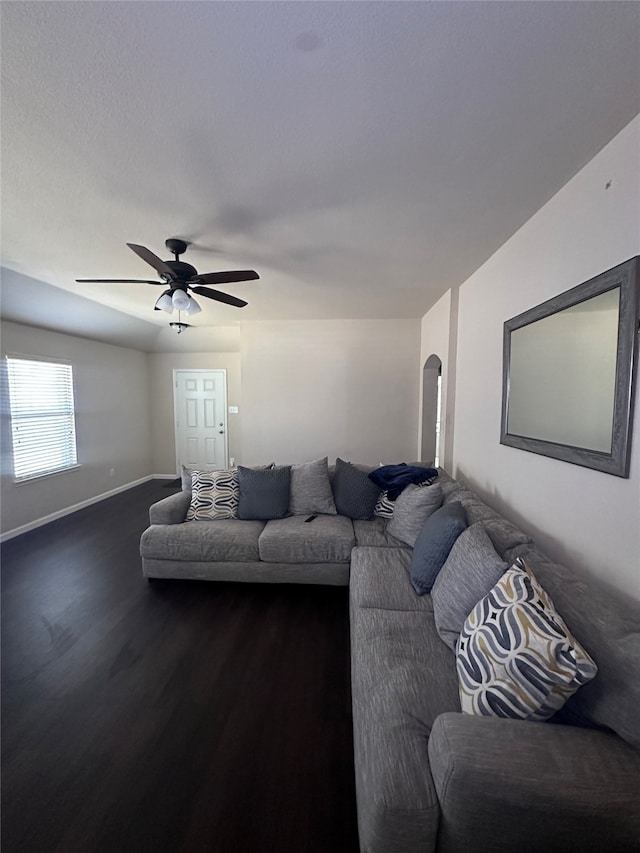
(218, 370)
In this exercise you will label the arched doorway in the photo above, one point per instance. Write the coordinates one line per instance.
(431, 410)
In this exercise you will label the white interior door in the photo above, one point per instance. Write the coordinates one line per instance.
(200, 398)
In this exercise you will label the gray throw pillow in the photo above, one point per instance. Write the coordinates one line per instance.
(186, 479)
(471, 571)
(263, 494)
(354, 493)
(434, 542)
(413, 506)
(311, 489)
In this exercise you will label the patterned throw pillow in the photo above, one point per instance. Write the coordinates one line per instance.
(515, 656)
(214, 494)
(385, 507)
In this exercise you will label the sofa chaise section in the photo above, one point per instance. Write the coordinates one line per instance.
(489, 784)
(402, 678)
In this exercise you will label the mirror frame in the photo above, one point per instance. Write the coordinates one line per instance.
(627, 277)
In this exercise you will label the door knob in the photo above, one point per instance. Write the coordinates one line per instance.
(221, 431)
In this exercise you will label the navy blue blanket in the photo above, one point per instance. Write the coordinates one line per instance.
(394, 478)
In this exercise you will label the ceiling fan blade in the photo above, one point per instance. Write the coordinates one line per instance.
(225, 277)
(219, 296)
(119, 281)
(148, 256)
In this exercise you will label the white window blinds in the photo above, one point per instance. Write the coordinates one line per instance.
(42, 417)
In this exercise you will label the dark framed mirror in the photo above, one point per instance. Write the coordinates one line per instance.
(569, 372)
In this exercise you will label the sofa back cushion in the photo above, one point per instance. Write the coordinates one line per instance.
(503, 533)
(608, 626)
(472, 569)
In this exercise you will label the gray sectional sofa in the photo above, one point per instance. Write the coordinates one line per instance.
(429, 777)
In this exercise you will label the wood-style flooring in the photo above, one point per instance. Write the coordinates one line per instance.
(167, 715)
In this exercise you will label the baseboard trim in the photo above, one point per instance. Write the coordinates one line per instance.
(46, 519)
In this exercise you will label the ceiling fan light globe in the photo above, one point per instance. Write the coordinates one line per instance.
(165, 302)
(180, 300)
(193, 308)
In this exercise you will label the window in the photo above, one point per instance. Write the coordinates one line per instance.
(42, 417)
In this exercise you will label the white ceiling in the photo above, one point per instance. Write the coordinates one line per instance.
(363, 157)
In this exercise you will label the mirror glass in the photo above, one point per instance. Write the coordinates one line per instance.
(568, 373)
(573, 405)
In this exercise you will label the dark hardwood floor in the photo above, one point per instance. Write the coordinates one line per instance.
(167, 716)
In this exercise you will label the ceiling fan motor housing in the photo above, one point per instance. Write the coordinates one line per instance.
(182, 271)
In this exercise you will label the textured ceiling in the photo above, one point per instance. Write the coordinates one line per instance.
(363, 157)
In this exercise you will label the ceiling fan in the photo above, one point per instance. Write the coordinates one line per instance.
(181, 278)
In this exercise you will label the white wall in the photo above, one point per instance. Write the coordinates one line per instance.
(344, 388)
(584, 518)
(112, 424)
(161, 367)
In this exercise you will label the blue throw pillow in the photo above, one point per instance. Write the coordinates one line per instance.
(433, 544)
(355, 495)
(263, 494)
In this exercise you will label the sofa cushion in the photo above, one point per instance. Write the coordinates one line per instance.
(310, 489)
(264, 494)
(326, 539)
(469, 573)
(214, 494)
(373, 533)
(413, 507)
(215, 541)
(403, 677)
(504, 536)
(185, 478)
(515, 656)
(476, 509)
(354, 494)
(435, 540)
(380, 579)
(607, 624)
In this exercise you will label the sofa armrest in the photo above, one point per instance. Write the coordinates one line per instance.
(506, 785)
(170, 510)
